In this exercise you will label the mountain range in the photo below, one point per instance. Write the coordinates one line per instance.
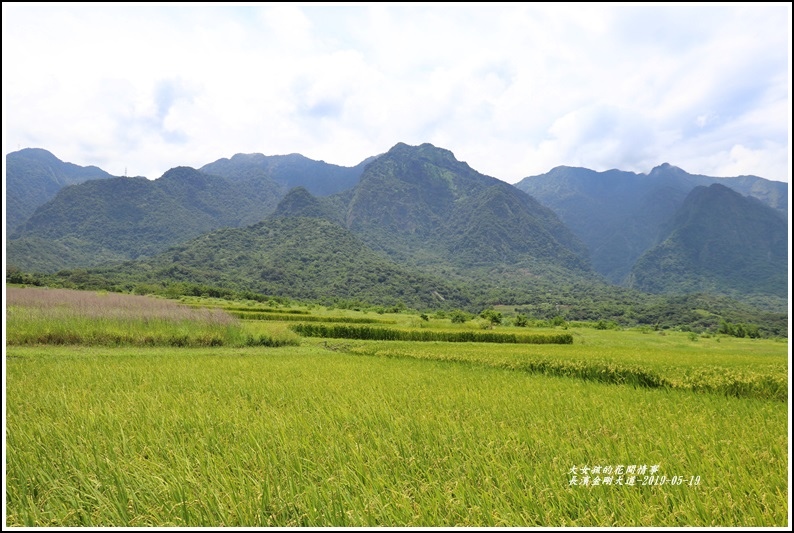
(34, 176)
(413, 224)
(620, 215)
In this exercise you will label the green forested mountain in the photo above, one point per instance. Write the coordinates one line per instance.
(425, 210)
(126, 218)
(34, 176)
(498, 226)
(299, 202)
(288, 171)
(421, 205)
(719, 242)
(297, 257)
(40, 254)
(619, 215)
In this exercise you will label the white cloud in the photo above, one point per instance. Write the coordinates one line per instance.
(514, 90)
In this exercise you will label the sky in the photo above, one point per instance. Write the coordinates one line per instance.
(514, 90)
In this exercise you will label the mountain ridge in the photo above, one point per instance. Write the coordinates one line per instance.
(619, 214)
(416, 206)
(37, 178)
(718, 238)
(288, 171)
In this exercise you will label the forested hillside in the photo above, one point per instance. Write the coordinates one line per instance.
(721, 242)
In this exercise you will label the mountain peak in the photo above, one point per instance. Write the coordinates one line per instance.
(423, 149)
(666, 168)
(34, 176)
(182, 173)
(35, 152)
(427, 153)
(299, 202)
(246, 158)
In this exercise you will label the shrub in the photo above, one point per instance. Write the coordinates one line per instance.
(459, 317)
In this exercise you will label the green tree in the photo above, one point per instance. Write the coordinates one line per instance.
(493, 316)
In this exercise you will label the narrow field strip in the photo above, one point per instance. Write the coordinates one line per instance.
(250, 315)
(253, 309)
(394, 334)
(706, 380)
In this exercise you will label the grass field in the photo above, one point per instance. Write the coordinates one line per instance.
(60, 316)
(338, 432)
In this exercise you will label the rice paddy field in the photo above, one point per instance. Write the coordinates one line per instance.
(263, 427)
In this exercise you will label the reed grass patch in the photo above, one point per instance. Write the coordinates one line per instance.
(66, 317)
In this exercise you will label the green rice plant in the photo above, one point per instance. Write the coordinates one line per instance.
(717, 380)
(265, 310)
(236, 305)
(600, 371)
(311, 435)
(394, 334)
(137, 437)
(246, 315)
(745, 368)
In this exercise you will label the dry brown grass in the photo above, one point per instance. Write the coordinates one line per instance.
(60, 302)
